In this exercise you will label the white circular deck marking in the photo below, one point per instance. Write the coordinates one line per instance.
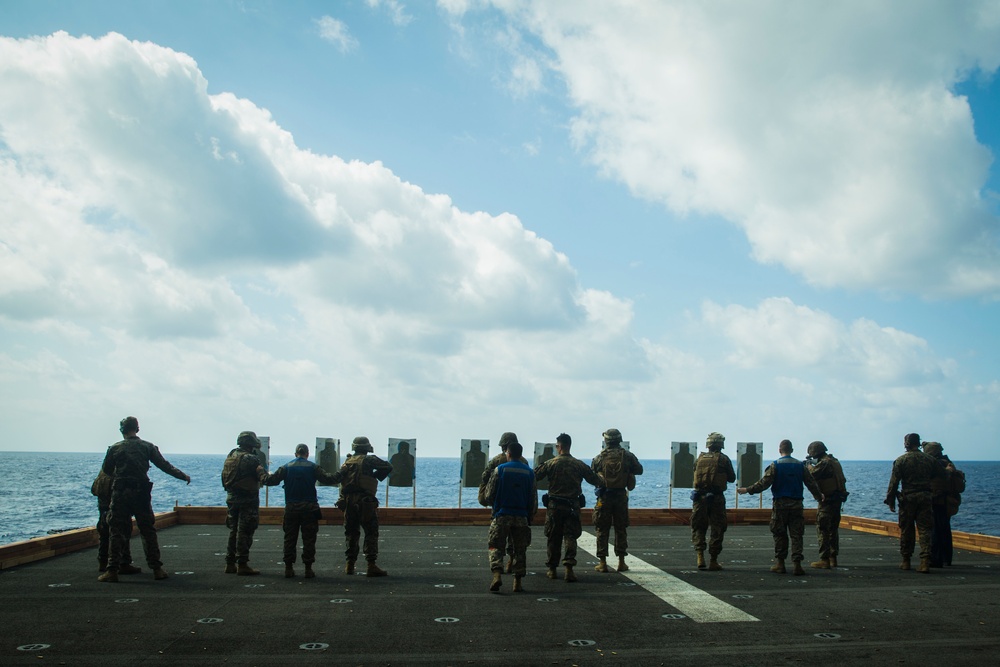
(737, 561)
(442, 562)
(627, 583)
(924, 592)
(444, 585)
(33, 647)
(984, 567)
(127, 600)
(673, 617)
(254, 585)
(184, 572)
(742, 596)
(218, 553)
(341, 600)
(59, 585)
(440, 547)
(873, 559)
(204, 534)
(958, 578)
(581, 642)
(881, 611)
(446, 619)
(209, 621)
(314, 646)
(698, 605)
(548, 599)
(168, 546)
(826, 635)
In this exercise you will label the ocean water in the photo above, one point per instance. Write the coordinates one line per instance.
(50, 492)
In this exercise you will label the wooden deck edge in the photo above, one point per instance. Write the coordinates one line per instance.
(39, 548)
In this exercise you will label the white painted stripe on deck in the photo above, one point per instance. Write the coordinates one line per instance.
(696, 604)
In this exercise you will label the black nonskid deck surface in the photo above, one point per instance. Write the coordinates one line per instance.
(434, 607)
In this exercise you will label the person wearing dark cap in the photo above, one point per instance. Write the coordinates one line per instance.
(617, 467)
(505, 441)
(242, 475)
(786, 477)
(302, 513)
(829, 474)
(562, 505)
(512, 493)
(128, 462)
(360, 475)
(914, 472)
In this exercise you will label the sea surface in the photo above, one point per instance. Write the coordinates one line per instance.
(42, 493)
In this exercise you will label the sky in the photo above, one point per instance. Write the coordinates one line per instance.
(450, 220)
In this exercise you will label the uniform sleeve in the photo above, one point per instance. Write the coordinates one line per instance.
(893, 481)
(329, 478)
(490, 495)
(542, 471)
(635, 465)
(730, 471)
(590, 475)
(275, 478)
(109, 463)
(157, 459)
(764, 482)
(379, 468)
(810, 482)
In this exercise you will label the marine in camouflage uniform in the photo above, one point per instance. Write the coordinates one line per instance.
(243, 504)
(360, 476)
(611, 508)
(827, 472)
(512, 493)
(914, 471)
(101, 488)
(786, 477)
(562, 515)
(505, 440)
(128, 462)
(302, 512)
(708, 505)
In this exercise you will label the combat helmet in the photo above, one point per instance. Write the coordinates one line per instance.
(715, 441)
(612, 437)
(361, 444)
(506, 440)
(247, 440)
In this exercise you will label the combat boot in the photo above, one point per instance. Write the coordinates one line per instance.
(128, 568)
(905, 563)
(622, 567)
(797, 570)
(496, 583)
(701, 560)
(821, 564)
(925, 566)
(375, 571)
(570, 576)
(244, 570)
(230, 568)
(602, 565)
(289, 571)
(349, 568)
(551, 573)
(779, 566)
(159, 573)
(309, 571)
(833, 561)
(517, 584)
(713, 563)
(110, 576)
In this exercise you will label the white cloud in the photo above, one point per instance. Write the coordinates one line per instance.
(395, 9)
(337, 33)
(779, 334)
(828, 132)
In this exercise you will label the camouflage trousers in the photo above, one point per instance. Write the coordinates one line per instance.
(915, 510)
(708, 512)
(104, 538)
(787, 522)
(361, 512)
(611, 509)
(515, 529)
(128, 500)
(828, 529)
(242, 521)
(562, 529)
(305, 521)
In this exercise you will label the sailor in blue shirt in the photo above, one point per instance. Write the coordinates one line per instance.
(512, 493)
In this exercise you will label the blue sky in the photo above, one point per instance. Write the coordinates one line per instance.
(450, 220)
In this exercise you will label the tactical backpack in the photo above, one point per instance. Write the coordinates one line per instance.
(615, 476)
(956, 484)
(231, 479)
(355, 478)
(707, 473)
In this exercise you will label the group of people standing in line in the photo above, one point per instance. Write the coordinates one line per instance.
(930, 495)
